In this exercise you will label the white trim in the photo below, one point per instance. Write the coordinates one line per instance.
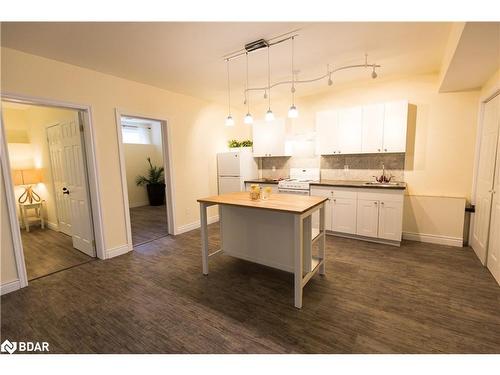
(138, 204)
(10, 286)
(117, 251)
(195, 225)
(52, 226)
(434, 238)
(93, 177)
(167, 164)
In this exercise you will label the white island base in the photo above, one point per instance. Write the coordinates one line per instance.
(269, 233)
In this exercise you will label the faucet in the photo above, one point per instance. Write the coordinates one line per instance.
(383, 177)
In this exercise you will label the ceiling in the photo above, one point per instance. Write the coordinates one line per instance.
(187, 57)
(475, 59)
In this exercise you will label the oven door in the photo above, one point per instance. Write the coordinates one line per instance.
(293, 191)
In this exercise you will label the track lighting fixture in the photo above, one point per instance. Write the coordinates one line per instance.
(292, 111)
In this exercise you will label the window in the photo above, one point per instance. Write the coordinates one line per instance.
(136, 134)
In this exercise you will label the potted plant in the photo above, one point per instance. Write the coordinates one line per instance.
(155, 184)
(233, 144)
(246, 143)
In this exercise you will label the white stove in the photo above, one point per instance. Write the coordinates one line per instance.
(299, 181)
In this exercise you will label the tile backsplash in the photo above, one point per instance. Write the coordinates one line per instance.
(337, 167)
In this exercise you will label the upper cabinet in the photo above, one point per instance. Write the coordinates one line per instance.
(373, 128)
(269, 138)
(364, 129)
(395, 124)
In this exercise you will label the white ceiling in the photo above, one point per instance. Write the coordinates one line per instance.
(187, 57)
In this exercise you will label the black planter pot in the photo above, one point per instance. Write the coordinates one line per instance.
(156, 194)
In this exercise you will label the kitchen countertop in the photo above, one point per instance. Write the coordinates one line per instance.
(358, 184)
(296, 204)
(261, 181)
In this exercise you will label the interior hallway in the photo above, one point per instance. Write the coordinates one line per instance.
(148, 223)
(420, 298)
(47, 251)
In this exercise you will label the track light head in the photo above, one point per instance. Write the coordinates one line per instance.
(293, 112)
(330, 81)
(374, 73)
(269, 115)
(265, 94)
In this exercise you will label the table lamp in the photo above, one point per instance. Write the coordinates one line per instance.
(27, 177)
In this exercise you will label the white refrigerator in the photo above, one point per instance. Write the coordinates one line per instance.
(233, 168)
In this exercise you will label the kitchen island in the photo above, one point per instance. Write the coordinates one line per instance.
(276, 232)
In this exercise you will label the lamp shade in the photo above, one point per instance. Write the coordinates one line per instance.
(26, 176)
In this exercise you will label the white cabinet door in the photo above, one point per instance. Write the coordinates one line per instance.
(326, 132)
(372, 128)
(343, 215)
(390, 220)
(269, 138)
(327, 193)
(395, 123)
(493, 262)
(349, 130)
(229, 185)
(367, 218)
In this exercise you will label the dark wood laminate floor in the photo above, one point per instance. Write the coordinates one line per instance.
(47, 251)
(419, 298)
(148, 223)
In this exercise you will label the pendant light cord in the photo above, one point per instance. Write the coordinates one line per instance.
(269, 76)
(228, 89)
(293, 74)
(247, 96)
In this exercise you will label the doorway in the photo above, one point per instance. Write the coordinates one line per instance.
(145, 177)
(47, 165)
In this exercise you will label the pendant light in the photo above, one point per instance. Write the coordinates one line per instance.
(248, 117)
(229, 118)
(293, 112)
(269, 114)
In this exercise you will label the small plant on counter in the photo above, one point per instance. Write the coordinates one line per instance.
(246, 143)
(233, 143)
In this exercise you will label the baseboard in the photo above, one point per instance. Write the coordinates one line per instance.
(138, 204)
(52, 226)
(10, 286)
(195, 225)
(433, 238)
(117, 251)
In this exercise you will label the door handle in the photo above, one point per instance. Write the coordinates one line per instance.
(65, 190)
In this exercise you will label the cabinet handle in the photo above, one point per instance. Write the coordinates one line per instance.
(378, 150)
(335, 200)
(376, 203)
(382, 203)
(385, 149)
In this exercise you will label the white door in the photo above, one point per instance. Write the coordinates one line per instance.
(485, 177)
(228, 164)
(395, 124)
(349, 130)
(390, 220)
(69, 139)
(344, 215)
(56, 160)
(229, 185)
(326, 133)
(373, 128)
(367, 218)
(269, 138)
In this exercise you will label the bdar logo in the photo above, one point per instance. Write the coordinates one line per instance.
(8, 347)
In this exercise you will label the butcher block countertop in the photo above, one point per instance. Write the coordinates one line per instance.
(293, 203)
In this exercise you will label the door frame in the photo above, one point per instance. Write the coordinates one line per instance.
(92, 176)
(167, 164)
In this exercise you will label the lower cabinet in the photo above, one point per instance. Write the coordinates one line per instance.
(362, 212)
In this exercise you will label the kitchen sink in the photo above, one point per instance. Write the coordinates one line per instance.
(382, 183)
